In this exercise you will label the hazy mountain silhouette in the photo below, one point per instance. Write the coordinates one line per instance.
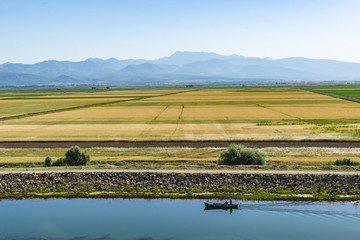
(14, 79)
(180, 67)
(181, 58)
(143, 69)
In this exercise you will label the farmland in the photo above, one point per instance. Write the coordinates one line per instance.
(151, 115)
(172, 114)
(344, 90)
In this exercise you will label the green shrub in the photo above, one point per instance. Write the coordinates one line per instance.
(60, 162)
(75, 157)
(48, 161)
(241, 155)
(346, 162)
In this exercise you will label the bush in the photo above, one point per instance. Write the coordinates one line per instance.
(48, 161)
(60, 162)
(75, 157)
(346, 162)
(241, 155)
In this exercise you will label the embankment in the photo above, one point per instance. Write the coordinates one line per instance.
(180, 185)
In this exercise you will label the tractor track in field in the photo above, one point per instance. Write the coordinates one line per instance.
(189, 144)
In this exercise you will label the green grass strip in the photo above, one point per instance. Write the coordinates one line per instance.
(207, 195)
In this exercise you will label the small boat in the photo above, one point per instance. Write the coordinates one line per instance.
(220, 205)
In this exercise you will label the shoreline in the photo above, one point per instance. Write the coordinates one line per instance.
(244, 186)
(255, 197)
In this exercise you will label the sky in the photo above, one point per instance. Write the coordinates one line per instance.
(38, 30)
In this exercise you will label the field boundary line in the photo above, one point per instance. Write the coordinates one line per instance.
(343, 97)
(277, 111)
(19, 116)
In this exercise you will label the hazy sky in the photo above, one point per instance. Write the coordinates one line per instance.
(37, 30)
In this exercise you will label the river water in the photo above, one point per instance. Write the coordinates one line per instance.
(165, 219)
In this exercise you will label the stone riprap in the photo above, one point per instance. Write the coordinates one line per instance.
(180, 183)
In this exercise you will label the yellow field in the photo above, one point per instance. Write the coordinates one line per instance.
(16, 107)
(185, 114)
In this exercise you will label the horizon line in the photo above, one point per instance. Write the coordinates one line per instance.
(155, 59)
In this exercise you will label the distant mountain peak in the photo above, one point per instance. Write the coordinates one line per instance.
(191, 52)
(185, 57)
(180, 66)
(94, 60)
(112, 60)
(144, 68)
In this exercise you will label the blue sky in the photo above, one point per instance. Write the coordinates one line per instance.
(37, 30)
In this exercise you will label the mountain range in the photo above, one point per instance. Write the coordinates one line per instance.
(179, 68)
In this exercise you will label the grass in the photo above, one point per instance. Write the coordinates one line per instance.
(259, 196)
(166, 114)
(317, 122)
(349, 93)
(346, 162)
(183, 158)
(342, 91)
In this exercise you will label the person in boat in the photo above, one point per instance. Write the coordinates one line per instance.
(226, 203)
(230, 201)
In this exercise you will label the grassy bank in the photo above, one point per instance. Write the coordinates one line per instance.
(186, 194)
(181, 158)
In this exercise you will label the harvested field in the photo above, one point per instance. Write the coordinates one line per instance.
(25, 106)
(216, 114)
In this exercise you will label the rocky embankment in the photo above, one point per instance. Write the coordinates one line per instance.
(192, 185)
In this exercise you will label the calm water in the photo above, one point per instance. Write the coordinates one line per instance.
(176, 219)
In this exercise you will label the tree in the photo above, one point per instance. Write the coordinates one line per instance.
(75, 157)
(48, 161)
(241, 155)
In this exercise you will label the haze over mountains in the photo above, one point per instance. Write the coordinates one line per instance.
(179, 68)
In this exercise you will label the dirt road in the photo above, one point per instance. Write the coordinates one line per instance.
(197, 144)
(188, 171)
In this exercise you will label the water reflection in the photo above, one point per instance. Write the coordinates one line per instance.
(222, 207)
(106, 237)
(219, 209)
(166, 219)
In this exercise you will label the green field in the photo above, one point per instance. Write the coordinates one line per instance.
(171, 114)
(341, 90)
